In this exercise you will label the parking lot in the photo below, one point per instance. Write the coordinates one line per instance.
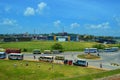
(108, 59)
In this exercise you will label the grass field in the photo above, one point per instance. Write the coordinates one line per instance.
(17, 70)
(96, 76)
(45, 45)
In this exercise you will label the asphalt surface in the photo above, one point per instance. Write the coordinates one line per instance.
(106, 59)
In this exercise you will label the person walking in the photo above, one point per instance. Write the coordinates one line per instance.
(34, 57)
(100, 65)
(98, 54)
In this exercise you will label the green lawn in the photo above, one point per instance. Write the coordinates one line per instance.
(95, 76)
(88, 56)
(16, 70)
(43, 45)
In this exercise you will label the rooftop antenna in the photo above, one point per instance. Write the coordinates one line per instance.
(63, 29)
(34, 32)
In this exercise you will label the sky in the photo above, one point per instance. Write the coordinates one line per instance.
(94, 17)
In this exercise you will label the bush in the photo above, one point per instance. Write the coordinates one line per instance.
(57, 46)
(99, 46)
(24, 50)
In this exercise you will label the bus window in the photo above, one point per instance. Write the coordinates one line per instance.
(2, 55)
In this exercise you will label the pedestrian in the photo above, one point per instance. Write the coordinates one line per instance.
(100, 65)
(34, 57)
(87, 64)
(98, 54)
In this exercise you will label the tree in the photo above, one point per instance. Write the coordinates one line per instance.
(57, 46)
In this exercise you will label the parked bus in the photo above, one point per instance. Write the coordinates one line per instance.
(36, 51)
(15, 56)
(91, 50)
(47, 52)
(10, 50)
(80, 62)
(2, 55)
(46, 58)
(59, 57)
(114, 49)
(55, 51)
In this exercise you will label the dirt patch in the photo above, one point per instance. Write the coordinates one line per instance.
(114, 77)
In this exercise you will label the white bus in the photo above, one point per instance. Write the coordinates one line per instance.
(46, 58)
(91, 50)
(112, 49)
(15, 56)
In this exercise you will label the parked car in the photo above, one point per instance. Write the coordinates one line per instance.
(36, 51)
(80, 62)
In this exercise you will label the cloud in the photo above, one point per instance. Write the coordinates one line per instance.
(8, 22)
(29, 11)
(7, 8)
(98, 26)
(32, 11)
(117, 20)
(74, 25)
(57, 23)
(41, 7)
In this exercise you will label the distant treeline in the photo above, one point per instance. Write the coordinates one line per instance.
(74, 37)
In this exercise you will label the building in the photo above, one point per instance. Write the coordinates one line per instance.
(61, 38)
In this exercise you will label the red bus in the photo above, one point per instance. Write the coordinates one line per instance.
(10, 50)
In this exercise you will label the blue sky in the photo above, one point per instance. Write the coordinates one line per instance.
(96, 17)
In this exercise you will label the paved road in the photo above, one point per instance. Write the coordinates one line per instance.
(106, 59)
